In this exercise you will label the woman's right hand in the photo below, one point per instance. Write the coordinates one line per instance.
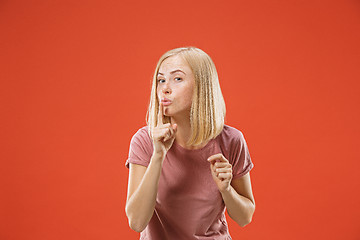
(163, 134)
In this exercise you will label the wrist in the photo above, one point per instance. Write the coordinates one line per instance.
(226, 190)
(158, 155)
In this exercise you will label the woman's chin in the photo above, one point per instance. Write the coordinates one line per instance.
(167, 113)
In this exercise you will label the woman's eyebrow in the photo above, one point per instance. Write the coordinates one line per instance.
(172, 72)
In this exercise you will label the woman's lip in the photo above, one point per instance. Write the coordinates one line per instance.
(166, 103)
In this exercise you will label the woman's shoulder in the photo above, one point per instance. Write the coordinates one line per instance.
(142, 134)
(231, 136)
(140, 148)
(142, 130)
(231, 133)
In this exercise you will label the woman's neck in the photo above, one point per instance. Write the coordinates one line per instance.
(183, 133)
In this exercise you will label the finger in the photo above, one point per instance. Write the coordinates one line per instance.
(223, 170)
(221, 164)
(218, 157)
(159, 131)
(174, 127)
(167, 136)
(215, 157)
(165, 132)
(169, 132)
(160, 114)
(166, 125)
(225, 176)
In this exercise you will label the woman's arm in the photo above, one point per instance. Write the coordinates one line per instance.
(143, 182)
(239, 200)
(142, 191)
(237, 193)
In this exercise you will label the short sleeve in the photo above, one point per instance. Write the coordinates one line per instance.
(240, 156)
(141, 148)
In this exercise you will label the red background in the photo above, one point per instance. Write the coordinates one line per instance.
(75, 84)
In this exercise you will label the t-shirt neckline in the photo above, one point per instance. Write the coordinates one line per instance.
(178, 146)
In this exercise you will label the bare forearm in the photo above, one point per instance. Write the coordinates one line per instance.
(140, 206)
(239, 208)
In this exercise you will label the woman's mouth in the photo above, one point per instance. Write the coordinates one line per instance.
(165, 101)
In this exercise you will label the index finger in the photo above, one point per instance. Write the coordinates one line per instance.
(218, 156)
(160, 114)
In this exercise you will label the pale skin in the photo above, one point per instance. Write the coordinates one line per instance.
(143, 181)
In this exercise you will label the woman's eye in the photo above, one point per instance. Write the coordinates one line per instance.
(179, 78)
(161, 80)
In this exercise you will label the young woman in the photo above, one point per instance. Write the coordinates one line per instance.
(186, 165)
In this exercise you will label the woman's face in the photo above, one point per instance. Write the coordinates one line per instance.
(175, 85)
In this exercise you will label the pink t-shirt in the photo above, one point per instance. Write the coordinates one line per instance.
(188, 203)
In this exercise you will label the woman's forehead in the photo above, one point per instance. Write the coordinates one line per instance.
(174, 63)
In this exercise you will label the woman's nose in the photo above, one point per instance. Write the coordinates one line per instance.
(167, 89)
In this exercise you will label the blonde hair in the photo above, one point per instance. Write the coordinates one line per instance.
(207, 114)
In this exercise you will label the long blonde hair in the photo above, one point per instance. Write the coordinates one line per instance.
(207, 114)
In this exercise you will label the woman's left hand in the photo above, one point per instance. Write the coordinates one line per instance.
(221, 170)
